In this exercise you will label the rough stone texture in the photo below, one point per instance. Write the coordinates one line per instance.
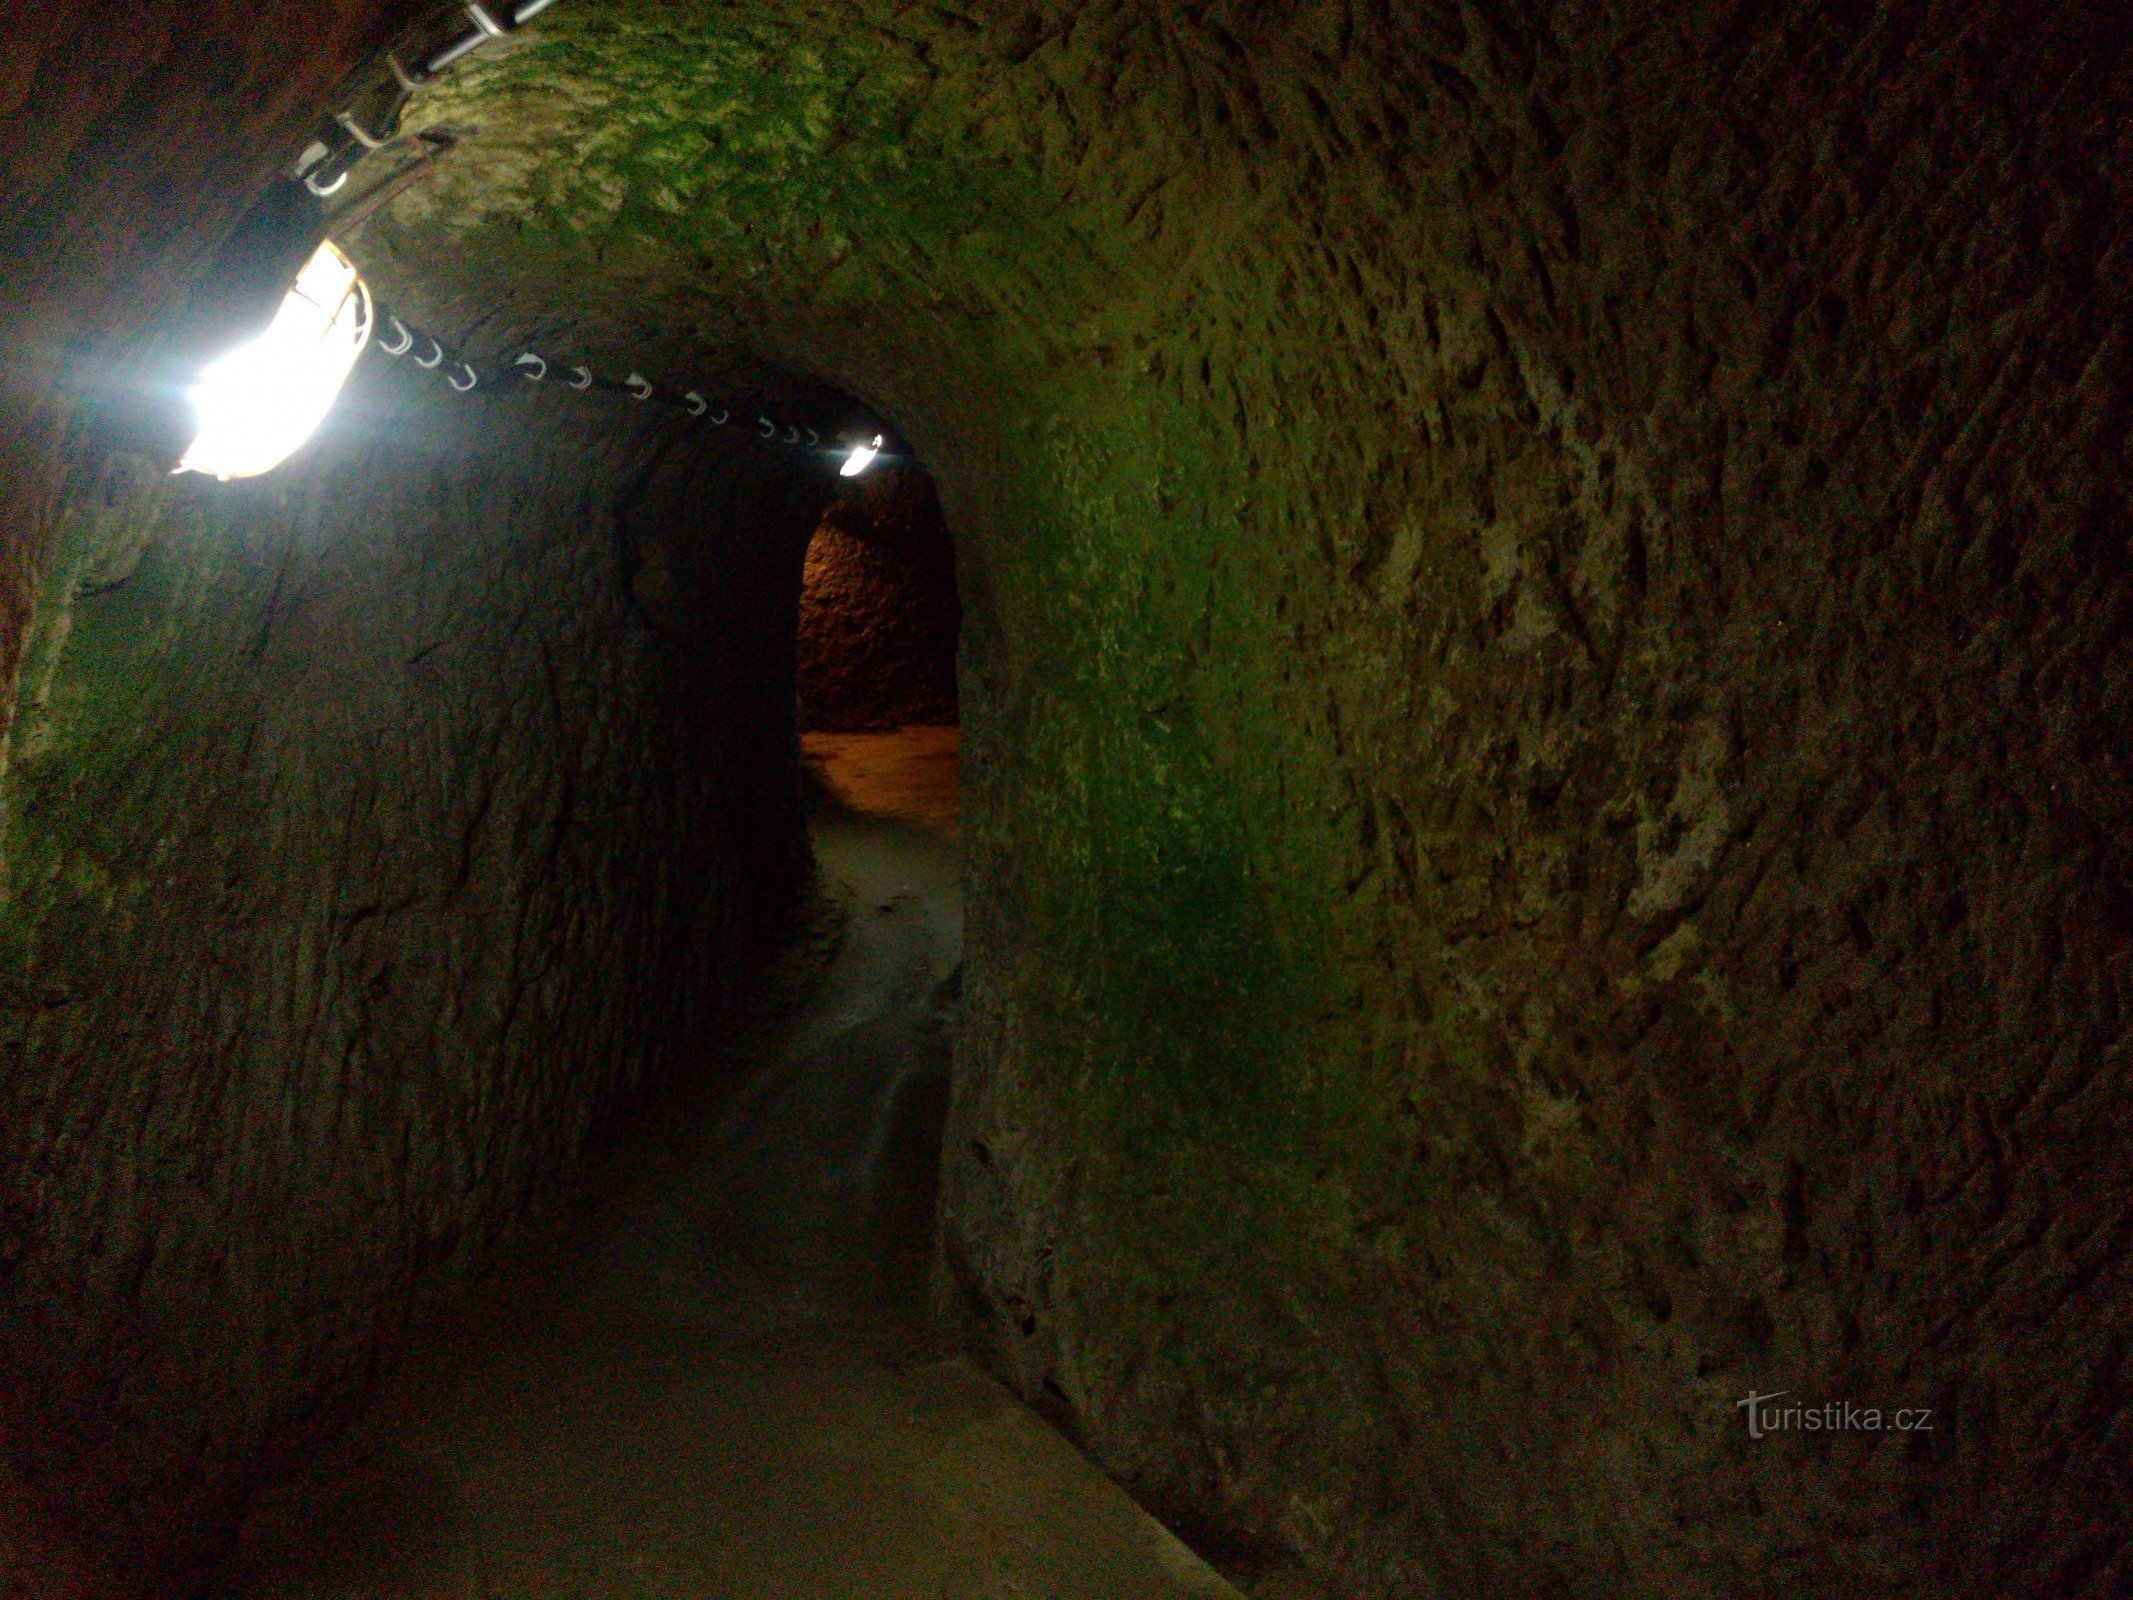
(1543, 589)
(1543, 690)
(878, 611)
(123, 168)
(374, 832)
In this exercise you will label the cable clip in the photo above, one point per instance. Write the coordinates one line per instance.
(407, 340)
(356, 131)
(466, 387)
(540, 367)
(486, 28)
(696, 403)
(436, 356)
(581, 377)
(639, 385)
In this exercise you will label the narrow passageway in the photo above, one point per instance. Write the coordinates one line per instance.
(714, 1380)
(1530, 992)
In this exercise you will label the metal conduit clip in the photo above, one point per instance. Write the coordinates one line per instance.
(472, 378)
(313, 164)
(639, 385)
(540, 367)
(486, 28)
(407, 340)
(696, 403)
(451, 53)
(436, 355)
(356, 131)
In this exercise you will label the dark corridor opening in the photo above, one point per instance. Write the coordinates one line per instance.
(751, 1280)
(878, 610)
(876, 708)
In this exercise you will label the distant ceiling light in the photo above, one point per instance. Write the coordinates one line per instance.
(861, 458)
(259, 402)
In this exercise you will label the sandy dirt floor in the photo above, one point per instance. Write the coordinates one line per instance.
(711, 1379)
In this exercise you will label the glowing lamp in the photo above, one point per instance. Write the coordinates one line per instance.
(260, 401)
(861, 458)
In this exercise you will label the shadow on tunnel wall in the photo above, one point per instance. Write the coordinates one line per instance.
(376, 831)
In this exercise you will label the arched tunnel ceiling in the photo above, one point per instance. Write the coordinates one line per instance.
(952, 209)
(832, 192)
(1545, 593)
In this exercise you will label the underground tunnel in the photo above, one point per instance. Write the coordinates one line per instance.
(1112, 799)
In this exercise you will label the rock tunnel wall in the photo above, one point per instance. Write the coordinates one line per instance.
(124, 168)
(1543, 590)
(374, 833)
(1543, 670)
(878, 611)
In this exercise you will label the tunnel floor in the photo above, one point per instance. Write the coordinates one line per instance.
(712, 1378)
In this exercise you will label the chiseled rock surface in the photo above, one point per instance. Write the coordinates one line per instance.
(1543, 674)
(134, 141)
(878, 611)
(375, 832)
(1543, 591)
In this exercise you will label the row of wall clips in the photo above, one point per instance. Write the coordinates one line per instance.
(396, 339)
(324, 167)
